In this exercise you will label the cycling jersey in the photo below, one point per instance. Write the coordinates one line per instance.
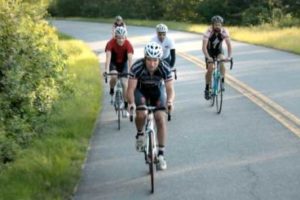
(215, 40)
(150, 90)
(146, 81)
(119, 54)
(167, 45)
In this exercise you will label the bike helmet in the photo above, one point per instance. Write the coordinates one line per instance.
(119, 18)
(121, 31)
(217, 19)
(153, 50)
(161, 28)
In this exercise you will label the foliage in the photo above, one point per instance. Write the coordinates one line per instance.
(235, 12)
(32, 74)
(50, 167)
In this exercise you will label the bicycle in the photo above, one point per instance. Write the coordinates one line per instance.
(216, 95)
(150, 149)
(117, 100)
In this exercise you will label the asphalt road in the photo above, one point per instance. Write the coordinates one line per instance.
(243, 154)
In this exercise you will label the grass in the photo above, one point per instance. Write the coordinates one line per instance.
(50, 168)
(287, 39)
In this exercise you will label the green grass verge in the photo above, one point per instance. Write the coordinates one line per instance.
(286, 39)
(50, 168)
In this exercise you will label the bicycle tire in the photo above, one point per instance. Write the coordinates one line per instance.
(119, 119)
(219, 96)
(151, 161)
(212, 95)
(118, 108)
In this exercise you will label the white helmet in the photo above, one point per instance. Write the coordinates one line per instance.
(119, 18)
(121, 31)
(161, 28)
(153, 50)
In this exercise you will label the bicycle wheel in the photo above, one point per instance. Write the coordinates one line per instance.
(118, 108)
(212, 91)
(219, 96)
(151, 160)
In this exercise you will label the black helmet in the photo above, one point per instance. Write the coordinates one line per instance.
(217, 19)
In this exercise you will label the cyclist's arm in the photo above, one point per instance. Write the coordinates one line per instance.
(129, 61)
(173, 57)
(229, 49)
(170, 91)
(107, 60)
(204, 49)
(132, 83)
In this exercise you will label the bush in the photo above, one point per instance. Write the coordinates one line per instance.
(256, 15)
(32, 74)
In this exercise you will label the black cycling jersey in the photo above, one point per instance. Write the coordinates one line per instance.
(145, 80)
(215, 40)
(215, 43)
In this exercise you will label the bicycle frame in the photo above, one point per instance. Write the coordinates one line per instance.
(216, 78)
(217, 84)
(150, 149)
(150, 132)
(117, 100)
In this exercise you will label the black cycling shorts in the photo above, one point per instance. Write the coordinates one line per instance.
(151, 97)
(121, 68)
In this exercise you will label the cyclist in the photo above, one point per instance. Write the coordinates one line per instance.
(119, 53)
(118, 22)
(212, 49)
(168, 45)
(146, 87)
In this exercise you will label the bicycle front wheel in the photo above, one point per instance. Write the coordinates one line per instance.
(219, 96)
(151, 160)
(212, 90)
(118, 108)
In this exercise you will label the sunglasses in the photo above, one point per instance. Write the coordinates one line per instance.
(162, 34)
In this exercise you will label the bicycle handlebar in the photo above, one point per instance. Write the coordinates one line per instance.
(115, 74)
(148, 108)
(223, 61)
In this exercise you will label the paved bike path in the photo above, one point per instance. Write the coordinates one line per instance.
(241, 154)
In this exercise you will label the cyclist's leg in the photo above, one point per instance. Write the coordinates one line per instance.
(125, 84)
(140, 101)
(208, 76)
(113, 79)
(161, 125)
(160, 120)
(223, 70)
(209, 68)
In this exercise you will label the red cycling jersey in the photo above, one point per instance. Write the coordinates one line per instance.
(119, 53)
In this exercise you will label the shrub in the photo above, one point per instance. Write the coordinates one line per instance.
(32, 74)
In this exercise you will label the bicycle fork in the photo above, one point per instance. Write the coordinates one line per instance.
(216, 79)
(150, 133)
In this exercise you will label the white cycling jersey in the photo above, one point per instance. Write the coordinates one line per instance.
(166, 45)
